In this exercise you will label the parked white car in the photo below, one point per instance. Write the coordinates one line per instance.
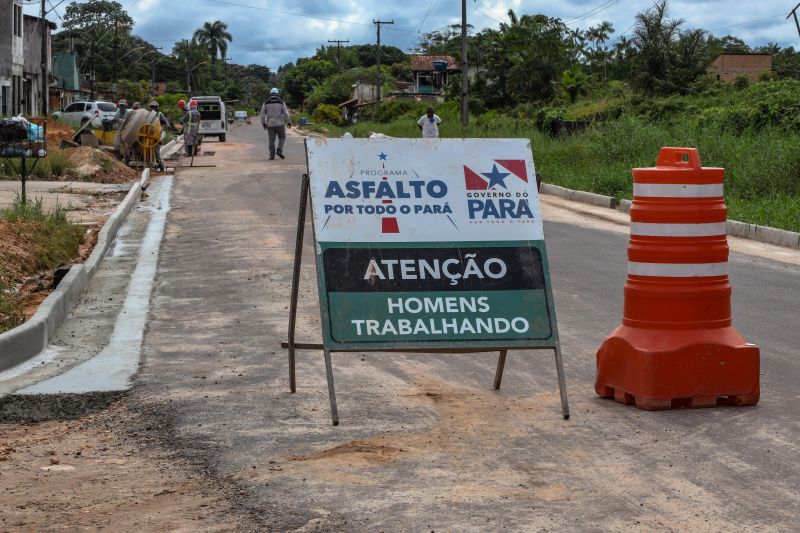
(81, 112)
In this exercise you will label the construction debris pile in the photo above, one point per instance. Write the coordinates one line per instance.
(93, 164)
(101, 154)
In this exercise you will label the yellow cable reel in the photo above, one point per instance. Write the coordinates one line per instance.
(148, 136)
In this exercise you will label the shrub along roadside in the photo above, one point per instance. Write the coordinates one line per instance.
(32, 242)
(753, 134)
(762, 169)
(55, 165)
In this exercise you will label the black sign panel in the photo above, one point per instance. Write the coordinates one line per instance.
(433, 269)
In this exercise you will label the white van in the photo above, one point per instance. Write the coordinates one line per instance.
(213, 120)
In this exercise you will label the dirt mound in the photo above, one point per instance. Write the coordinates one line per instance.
(56, 132)
(95, 165)
(17, 262)
(24, 282)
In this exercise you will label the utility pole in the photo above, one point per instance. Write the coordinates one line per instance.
(92, 72)
(338, 48)
(378, 23)
(153, 67)
(793, 13)
(464, 73)
(44, 85)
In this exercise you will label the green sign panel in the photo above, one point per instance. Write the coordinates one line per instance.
(436, 295)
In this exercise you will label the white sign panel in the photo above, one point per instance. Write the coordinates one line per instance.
(423, 190)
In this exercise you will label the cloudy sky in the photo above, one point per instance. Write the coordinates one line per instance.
(274, 32)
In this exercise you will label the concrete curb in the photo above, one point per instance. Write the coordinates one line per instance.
(110, 229)
(26, 340)
(171, 148)
(765, 234)
(579, 196)
(743, 230)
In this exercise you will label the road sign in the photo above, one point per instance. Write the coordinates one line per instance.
(426, 244)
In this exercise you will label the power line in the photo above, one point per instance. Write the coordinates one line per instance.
(591, 12)
(747, 23)
(433, 5)
(53, 10)
(486, 12)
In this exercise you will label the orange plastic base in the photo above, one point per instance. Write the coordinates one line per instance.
(667, 369)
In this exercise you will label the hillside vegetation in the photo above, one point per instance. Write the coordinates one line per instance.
(753, 132)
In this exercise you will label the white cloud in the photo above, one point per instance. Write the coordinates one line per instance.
(272, 39)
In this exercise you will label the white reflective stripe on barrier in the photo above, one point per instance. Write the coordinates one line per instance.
(672, 270)
(651, 229)
(677, 190)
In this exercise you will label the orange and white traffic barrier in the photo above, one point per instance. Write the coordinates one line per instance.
(677, 346)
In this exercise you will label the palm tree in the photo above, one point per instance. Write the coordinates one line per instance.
(599, 35)
(655, 35)
(214, 36)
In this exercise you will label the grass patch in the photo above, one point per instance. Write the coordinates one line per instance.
(762, 165)
(55, 165)
(32, 240)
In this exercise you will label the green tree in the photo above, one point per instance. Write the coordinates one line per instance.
(191, 55)
(94, 14)
(727, 45)
(691, 58)
(655, 35)
(599, 35)
(574, 82)
(99, 31)
(538, 50)
(623, 59)
(215, 37)
(300, 80)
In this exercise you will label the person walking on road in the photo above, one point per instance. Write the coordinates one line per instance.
(429, 124)
(274, 114)
(191, 127)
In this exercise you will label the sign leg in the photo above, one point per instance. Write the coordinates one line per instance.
(298, 256)
(501, 364)
(562, 384)
(331, 388)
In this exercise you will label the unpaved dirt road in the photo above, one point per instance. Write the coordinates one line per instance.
(424, 442)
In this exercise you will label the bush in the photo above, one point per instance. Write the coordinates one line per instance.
(393, 109)
(741, 82)
(59, 163)
(328, 113)
(41, 170)
(55, 237)
(168, 104)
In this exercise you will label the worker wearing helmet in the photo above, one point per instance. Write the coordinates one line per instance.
(122, 111)
(165, 125)
(191, 128)
(153, 106)
(273, 115)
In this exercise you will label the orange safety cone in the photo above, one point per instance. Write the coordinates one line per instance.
(676, 346)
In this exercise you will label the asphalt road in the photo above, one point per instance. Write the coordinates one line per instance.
(424, 442)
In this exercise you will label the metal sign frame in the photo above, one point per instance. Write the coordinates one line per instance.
(292, 345)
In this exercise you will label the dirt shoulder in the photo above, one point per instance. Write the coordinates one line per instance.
(102, 472)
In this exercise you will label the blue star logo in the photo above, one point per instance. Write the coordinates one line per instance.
(382, 156)
(496, 177)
